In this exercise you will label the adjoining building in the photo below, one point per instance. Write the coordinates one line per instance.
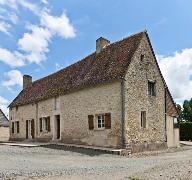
(4, 126)
(115, 97)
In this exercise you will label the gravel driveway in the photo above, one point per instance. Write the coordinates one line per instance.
(44, 163)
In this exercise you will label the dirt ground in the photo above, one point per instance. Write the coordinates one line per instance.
(46, 163)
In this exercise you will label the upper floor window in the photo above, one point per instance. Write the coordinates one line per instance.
(151, 88)
(142, 57)
(16, 108)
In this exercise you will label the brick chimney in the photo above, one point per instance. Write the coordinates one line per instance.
(101, 43)
(27, 80)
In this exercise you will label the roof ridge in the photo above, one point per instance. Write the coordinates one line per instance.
(113, 43)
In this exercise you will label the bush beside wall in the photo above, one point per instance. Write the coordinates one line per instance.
(185, 131)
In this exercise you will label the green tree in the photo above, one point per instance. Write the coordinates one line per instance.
(179, 109)
(187, 110)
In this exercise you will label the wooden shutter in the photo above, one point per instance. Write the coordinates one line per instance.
(108, 121)
(13, 127)
(91, 122)
(144, 119)
(27, 129)
(32, 128)
(48, 124)
(17, 126)
(40, 125)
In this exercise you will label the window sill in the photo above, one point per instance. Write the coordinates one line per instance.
(99, 129)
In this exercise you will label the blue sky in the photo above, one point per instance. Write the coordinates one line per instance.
(41, 37)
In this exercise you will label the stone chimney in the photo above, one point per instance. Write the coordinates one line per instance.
(27, 80)
(101, 43)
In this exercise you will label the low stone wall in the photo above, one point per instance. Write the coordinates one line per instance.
(4, 133)
(148, 147)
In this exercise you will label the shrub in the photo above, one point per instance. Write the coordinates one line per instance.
(186, 131)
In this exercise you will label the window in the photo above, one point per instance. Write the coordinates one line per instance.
(16, 108)
(17, 126)
(142, 57)
(143, 119)
(47, 124)
(151, 88)
(13, 127)
(44, 124)
(101, 121)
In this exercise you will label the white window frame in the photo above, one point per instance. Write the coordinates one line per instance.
(101, 121)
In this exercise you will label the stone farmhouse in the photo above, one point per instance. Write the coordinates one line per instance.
(115, 97)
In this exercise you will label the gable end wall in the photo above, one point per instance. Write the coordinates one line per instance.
(137, 99)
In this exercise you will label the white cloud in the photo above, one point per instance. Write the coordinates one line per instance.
(35, 44)
(13, 59)
(14, 77)
(177, 70)
(3, 105)
(59, 25)
(45, 1)
(4, 27)
(13, 18)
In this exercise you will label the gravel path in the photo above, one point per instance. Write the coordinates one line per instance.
(44, 163)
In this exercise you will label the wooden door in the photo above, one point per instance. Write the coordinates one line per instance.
(58, 127)
(32, 129)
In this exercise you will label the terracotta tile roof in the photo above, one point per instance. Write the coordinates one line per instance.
(108, 65)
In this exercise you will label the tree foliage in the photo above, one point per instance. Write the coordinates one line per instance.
(187, 110)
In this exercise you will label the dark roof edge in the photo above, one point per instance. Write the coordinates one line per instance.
(4, 115)
(73, 91)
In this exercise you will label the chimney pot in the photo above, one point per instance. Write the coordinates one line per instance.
(27, 80)
(101, 43)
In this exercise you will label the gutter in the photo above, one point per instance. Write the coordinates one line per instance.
(123, 112)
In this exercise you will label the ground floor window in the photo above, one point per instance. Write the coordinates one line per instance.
(143, 119)
(101, 121)
(15, 127)
(45, 124)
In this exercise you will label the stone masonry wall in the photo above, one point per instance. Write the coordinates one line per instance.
(74, 109)
(137, 99)
(23, 113)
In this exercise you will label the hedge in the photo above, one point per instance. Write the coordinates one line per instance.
(186, 131)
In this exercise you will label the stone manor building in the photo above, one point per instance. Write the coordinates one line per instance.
(115, 97)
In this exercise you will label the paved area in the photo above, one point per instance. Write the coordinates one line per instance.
(46, 163)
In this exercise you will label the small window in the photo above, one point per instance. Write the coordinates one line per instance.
(13, 127)
(101, 121)
(17, 125)
(143, 119)
(142, 57)
(151, 88)
(16, 108)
